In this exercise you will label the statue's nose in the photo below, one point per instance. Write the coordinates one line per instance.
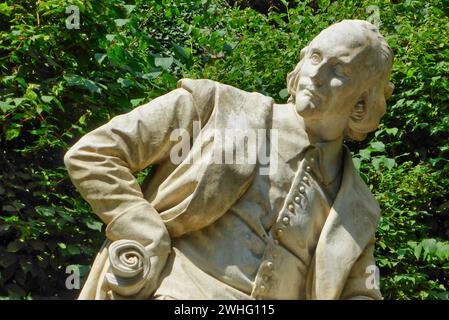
(316, 76)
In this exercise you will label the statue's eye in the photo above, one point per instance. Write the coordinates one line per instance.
(316, 58)
(339, 71)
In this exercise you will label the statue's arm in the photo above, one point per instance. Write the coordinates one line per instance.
(363, 280)
(101, 166)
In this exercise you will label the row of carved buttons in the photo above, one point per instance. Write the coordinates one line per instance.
(268, 271)
(279, 232)
(291, 207)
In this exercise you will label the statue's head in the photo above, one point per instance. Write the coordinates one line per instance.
(344, 72)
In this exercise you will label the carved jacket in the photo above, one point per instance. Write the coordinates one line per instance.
(181, 199)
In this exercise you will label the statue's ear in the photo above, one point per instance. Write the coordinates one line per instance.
(389, 90)
(359, 110)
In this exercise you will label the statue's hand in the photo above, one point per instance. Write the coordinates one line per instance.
(130, 267)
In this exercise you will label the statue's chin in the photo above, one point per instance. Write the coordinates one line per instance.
(306, 107)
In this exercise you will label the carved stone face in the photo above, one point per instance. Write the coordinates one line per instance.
(334, 73)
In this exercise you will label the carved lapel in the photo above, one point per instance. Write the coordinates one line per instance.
(351, 223)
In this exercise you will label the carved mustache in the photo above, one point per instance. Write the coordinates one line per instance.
(310, 91)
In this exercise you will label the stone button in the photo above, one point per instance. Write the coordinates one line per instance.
(308, 168)
(262, 288)
(305, 179)
(302, 189)
(270, 265)
(312, 159)
(297, 199)
(279, 232)
(285, 220)
(291, 208)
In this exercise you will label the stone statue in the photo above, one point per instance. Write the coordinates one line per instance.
(296, 224)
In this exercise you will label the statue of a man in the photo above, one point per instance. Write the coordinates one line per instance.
(205, 229)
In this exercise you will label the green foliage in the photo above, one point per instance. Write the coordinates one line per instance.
(57, 83)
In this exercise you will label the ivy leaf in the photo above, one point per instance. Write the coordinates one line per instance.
(151, 75)
(94, 225)
(73, 250)
(389, 163)
(283, 93)
(5, 106)
(121, 22)
(365, 154)
(376, 162)
(182, 53)
(14, 246)
(137, 102)
(12, 133)
(100, 57)
(45, 211)
(392, 131)
(164, 63)
(76, 80)
(47, 99)
(129, 8)
(378, 146)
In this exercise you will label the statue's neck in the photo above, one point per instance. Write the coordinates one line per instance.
(328, 135)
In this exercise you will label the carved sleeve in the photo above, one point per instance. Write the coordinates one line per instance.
(101, 165)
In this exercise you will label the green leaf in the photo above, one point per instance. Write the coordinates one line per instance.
(64, 215)
(182, 53)
(152, 75)
(429, 246)
(12, 133)
(45, 211)
(365, 154)
(284, 93)
(137, 102)
(15, 246)
(392, 131)
(5, 107)
(47, 99)
(125, 83)
(100, 57)
(18, 101)
(129, 8)
(73, 250)
(76, 80)
(376, 162)
(389, 163)
(378, 146)
(164, 63)
(417, 249)
(121, 22)
(94, 225)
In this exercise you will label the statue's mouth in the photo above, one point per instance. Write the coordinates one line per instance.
(311, 93)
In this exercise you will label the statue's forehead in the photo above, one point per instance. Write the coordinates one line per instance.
(340, 40)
